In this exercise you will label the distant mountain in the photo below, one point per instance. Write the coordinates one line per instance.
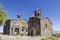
(56, 33)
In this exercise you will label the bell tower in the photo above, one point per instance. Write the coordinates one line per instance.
(34, 24)
(37, 13)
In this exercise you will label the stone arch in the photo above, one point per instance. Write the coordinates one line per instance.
(16, 31)
(33, 33)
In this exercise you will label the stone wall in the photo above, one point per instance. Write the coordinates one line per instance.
(34, 26)
(46, 28)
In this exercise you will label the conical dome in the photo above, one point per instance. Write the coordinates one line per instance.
(18, 15)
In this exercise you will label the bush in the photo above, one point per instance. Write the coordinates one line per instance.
(50, 38)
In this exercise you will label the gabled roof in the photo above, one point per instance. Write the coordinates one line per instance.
(19, 19)
(32, 15)
(48, 19)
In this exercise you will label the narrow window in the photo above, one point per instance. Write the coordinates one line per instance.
(23, 28)
(46, 25)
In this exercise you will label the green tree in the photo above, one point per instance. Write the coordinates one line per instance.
(2, 15)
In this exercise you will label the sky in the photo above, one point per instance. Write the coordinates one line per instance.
(49, 8)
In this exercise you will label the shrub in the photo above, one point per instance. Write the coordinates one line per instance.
(50, 38)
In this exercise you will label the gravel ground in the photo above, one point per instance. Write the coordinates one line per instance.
(6, 37)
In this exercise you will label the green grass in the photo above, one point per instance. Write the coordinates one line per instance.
(50, 38)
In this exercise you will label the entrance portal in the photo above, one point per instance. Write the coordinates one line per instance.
(16, 31)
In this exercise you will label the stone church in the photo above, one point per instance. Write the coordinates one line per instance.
(36, 26)
(16, 26)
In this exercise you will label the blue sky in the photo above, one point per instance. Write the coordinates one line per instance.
(49, 8)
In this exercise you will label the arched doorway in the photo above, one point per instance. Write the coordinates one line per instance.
(32, 32)
(16, 31)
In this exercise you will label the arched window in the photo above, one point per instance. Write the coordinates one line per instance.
(23, 28)
(26, 29)
(46, 25)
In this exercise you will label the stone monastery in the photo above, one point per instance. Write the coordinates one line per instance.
(36, 26)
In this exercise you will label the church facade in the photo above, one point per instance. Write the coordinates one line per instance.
(16, 27)
(36, 26)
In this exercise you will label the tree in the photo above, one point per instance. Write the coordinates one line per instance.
(2, 15)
